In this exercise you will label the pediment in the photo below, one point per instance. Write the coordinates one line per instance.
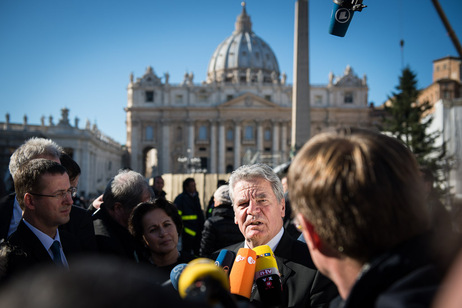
(349, 81)
(249, 100)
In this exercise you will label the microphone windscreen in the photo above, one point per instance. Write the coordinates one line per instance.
(175, 274)
(340, 20)
(200, 269)
(267, 276)
(265, 258)
(225, 259)
(242, 274)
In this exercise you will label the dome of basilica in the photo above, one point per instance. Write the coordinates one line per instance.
(243, 57)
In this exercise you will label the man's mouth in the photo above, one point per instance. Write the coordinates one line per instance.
(255, 223)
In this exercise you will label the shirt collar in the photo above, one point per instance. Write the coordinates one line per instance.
(44, 238)
(273, 243)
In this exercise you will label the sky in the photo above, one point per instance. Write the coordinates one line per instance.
(79, 55)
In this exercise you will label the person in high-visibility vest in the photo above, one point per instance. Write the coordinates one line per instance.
(190, 210)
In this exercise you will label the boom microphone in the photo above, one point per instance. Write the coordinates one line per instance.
(267, 277)
(225, 259)
(342, 14)
(242, 273)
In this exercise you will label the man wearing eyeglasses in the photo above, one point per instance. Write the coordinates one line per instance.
(44, 193)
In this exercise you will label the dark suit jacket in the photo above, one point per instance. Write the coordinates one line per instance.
(24, 251)
(113, 239)
(6, 212)
(80, 224)
(303, 285)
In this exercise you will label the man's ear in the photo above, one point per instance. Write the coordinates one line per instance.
(29, 201)
(309, 232)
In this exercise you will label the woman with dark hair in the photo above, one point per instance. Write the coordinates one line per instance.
(157, 225)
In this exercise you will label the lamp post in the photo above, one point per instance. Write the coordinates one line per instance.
(191, 164)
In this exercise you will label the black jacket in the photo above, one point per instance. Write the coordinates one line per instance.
(220, 231)
(189, 208)
(302, 284)
(403, 277)
(113, 239)
(24, 251)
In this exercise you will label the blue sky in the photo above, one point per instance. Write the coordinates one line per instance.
(79, 54)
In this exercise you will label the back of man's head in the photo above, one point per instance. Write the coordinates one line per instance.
(34, 148)
(28, 176)
(127, 188)
(361, 191)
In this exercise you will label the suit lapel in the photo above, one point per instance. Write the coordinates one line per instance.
(282, 253)
(26, 239)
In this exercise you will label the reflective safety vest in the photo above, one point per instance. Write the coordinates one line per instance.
(188, 218)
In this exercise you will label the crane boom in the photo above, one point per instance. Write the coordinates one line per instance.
(448, 27)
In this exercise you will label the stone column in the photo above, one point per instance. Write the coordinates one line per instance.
(301, 118)
(191, 136)
(164, 161)
(221, 147)
(136, 156)
(260, 137)
(237, 144)
(275, 150)
(213, 147)
(284, 157)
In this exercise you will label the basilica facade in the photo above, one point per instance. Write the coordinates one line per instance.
(240, 114)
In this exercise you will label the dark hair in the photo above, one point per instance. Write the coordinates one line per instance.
(135, 224)
(72, 167)
(186, 182)
(27, 177)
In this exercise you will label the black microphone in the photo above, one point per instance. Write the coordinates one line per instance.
(342, 14)
(267, 277)
(225, 259)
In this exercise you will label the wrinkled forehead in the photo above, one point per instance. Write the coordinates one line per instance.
(252, 188)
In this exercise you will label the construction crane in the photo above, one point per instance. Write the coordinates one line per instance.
(448, 27)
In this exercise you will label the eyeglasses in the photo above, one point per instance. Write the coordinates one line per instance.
(61, 195)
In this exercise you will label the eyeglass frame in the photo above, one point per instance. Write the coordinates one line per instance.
(72, 191)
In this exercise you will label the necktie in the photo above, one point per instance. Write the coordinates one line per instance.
(56, 253)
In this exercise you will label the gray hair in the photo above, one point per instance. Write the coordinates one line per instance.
(221, 195)
(256, 171)
(31, 149)
(127, 188)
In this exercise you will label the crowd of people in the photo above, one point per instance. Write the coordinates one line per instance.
(352, 226)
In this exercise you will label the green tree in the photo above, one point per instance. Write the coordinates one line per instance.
(409, 121)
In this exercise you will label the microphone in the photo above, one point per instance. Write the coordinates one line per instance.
(267, 277)
(243, 271)
(342, 14)
(175, 275)
(225, 259)
(204, 282)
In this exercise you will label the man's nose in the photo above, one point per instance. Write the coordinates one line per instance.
(69, 199)
(253, 207)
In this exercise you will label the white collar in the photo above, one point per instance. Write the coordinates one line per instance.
(273, 243)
